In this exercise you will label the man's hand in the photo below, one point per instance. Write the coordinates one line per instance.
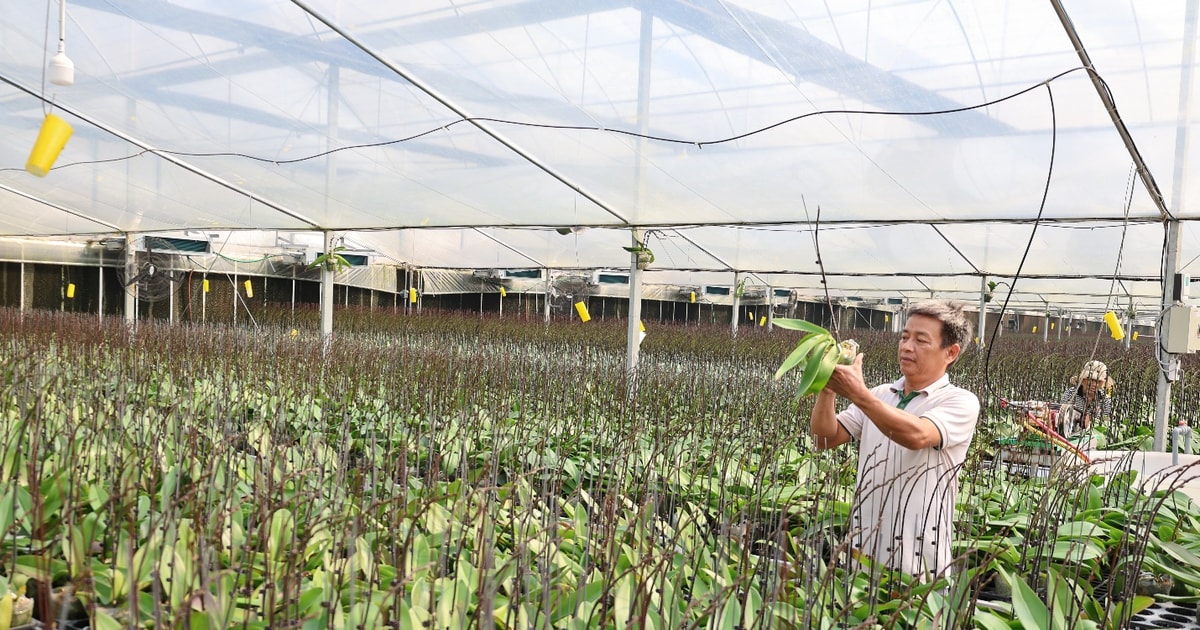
(847, 380)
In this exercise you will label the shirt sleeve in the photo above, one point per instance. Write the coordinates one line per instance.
(955, 418)
(853, 419)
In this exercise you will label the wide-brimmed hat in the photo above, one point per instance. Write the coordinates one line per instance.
(1097, 371)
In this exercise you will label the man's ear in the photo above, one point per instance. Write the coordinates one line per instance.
(954, 350)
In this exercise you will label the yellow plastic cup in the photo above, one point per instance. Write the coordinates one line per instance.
(50, 142)
(581, 308)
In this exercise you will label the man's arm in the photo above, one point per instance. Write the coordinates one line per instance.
(907, 430)
(826, 431)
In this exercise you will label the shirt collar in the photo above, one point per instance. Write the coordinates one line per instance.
(944, 380)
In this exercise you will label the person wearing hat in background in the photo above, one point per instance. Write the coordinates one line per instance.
(1087, 402)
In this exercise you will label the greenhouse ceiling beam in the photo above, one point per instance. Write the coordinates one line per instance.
(50, 204)
(164, 156)
(511, 248)
(1111, 107)
(1154, 279)
(852, 76)
(846, 224)
(448, 104)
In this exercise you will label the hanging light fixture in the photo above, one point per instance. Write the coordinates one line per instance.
(55, 131)
(62, 69)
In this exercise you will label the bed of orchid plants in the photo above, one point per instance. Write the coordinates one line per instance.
(444, 471)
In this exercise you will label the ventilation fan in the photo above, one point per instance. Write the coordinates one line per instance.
(566, 290)
(155, 278)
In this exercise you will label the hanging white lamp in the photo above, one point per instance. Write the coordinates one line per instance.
(62, 69)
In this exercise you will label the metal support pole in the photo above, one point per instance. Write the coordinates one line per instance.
(130, 289)
(981, 329)
(1173, 256)
(1129, 322)
(633, 338)
(546, 302)
(737, 304)
(770, 308)
(100, 288)
(327, 297)
(1046, 327)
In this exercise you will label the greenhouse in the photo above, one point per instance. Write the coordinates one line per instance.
(497, 313)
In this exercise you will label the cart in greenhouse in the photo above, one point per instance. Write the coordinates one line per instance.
(1039, 446)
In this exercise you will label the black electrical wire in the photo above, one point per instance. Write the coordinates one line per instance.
(987, 375)
(625, 132)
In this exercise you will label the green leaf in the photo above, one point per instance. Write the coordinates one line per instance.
(799, 324)
(1123, 611)
(104, 621)
(752, 608)
(623, 600)
(731, 614)
(280, 539)
(813, 364)
(800, 354)
(7, 513)
(822, 369)
(989, 620)
(1179, 552)
(1031, 611)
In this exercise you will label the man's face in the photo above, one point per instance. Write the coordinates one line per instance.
(922, 357)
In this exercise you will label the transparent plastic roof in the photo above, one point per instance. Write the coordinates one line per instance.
(924, 134)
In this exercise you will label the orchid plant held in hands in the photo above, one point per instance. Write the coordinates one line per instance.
(818, 352)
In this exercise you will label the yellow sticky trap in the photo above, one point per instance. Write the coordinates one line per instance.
(70, 289)
(1035, 329)
(206, 285)
(295, 332)
(52, 137)
(412, 296)
(692, 297)
(1114, 326)
(1051, 325)
(249, 289)
(503, 292)
(886, 319)
(641, 326)
(762, 321)
(1135, 335)
(581, 308)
